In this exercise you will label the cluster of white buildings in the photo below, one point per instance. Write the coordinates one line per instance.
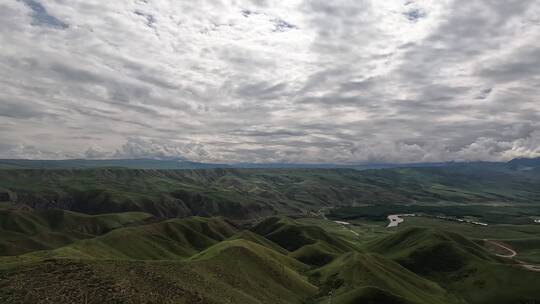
(461, 220)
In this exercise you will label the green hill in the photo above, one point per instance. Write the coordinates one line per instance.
(25, 230)
(255, 193)
(351, 271)
(168, 240)
(256, 270)
(528, 249)
(258, 239)
(427, 251)
(233, 270)
(369, 295)
(309, 244)
(278, 260)
(459, 265)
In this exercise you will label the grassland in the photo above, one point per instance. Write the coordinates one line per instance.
(254, 193)
(275, 260)
(23, 230)
(491, 214)
(259, 236)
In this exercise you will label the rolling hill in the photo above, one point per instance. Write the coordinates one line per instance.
(352, 277)
(428, 251)
(23, 229)
(226, 235)
(459, 265)
(255, 193)
(277, 260)
(309, 244)
(167, 240)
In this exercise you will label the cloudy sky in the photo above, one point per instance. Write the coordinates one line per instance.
(270, 81)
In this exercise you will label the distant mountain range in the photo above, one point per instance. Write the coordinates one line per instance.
(142, 163)
(158, 164)
(524, 163)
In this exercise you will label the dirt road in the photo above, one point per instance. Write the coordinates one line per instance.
(510, 254)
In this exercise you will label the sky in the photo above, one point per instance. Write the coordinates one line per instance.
(305, 81)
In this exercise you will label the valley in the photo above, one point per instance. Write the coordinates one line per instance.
(269, 152)
(269, 236)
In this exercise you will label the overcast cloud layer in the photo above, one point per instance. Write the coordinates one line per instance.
(270, 81)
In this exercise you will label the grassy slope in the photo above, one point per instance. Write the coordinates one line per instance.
(429, 251)
(490, 214)
(369, 294)
(29, 230)
(258, 239)
(459, 265)
(262, 271)
(168, 240)
(494, 283)
(346, 274)
(280, 260)
(310, 244)
(523, 238)
(221, 265)
(528, 249)
(250, 193)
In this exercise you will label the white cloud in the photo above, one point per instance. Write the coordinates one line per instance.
(161, 149)
(303, 81)
(96, 152)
